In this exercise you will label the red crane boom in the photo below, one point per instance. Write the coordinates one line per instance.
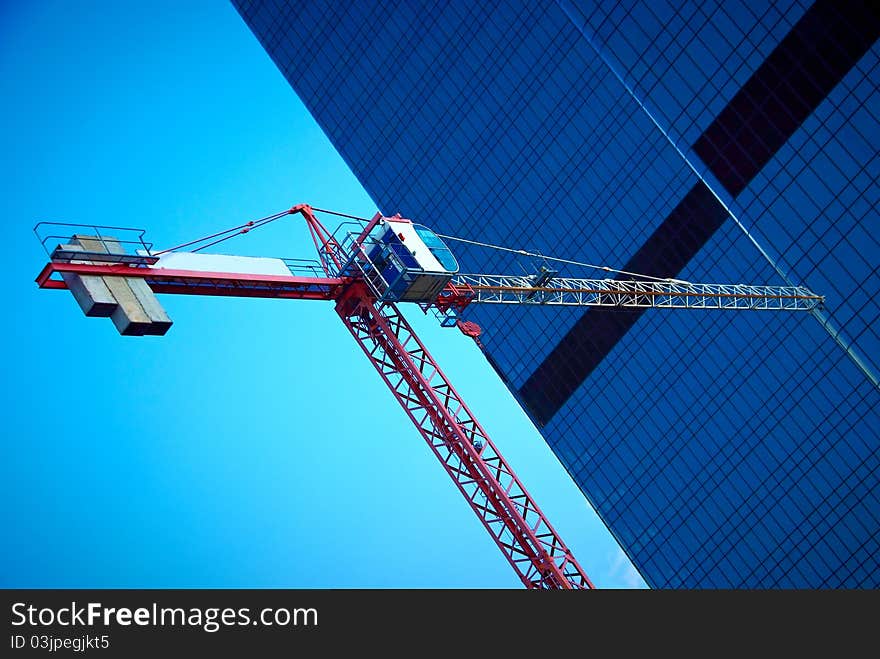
(525, 536)
(519, 528)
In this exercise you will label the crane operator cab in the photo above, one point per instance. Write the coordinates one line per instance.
(406, 262)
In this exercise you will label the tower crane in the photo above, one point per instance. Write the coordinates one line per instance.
(367, 267)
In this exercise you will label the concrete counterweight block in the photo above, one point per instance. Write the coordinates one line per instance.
(90, 292)
(136, 311)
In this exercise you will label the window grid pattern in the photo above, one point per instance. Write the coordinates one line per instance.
(686, 60)
(721, 449)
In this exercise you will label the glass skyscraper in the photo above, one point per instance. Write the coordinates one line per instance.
(717, 141)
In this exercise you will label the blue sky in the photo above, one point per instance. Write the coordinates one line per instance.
(253, 445)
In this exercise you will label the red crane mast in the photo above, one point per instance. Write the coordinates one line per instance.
(505, 508)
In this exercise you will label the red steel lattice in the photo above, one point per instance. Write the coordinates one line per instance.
(522, 532)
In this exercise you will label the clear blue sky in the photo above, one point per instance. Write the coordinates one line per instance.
(253, 445)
